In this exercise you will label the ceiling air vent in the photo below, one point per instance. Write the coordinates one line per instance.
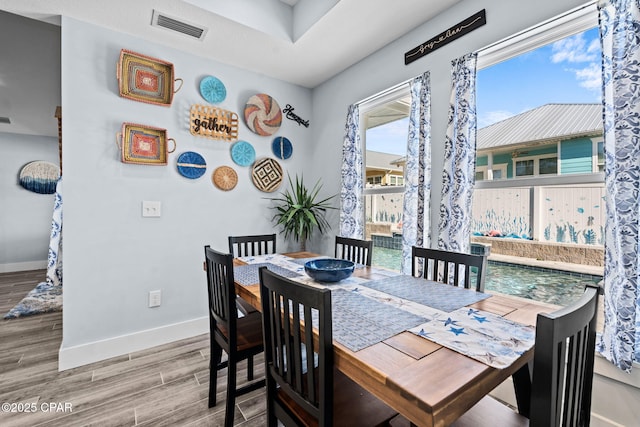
(162, 20)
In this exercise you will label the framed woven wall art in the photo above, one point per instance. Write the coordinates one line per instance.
(145, 145)
(146, 79)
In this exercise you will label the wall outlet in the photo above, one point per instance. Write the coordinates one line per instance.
(155, 298)
(151, 208)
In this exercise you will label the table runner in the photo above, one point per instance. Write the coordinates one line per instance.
(436, 295)
(249, 275)
(376, 321)
(483, 336)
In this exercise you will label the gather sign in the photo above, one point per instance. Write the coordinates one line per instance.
(213, 122)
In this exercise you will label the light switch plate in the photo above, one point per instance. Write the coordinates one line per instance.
(151, 208)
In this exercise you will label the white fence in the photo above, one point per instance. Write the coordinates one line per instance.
(554, 213)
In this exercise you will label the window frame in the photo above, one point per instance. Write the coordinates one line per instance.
(572, 22)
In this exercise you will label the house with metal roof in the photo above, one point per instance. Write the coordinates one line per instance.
(553, 139)
(384, 168)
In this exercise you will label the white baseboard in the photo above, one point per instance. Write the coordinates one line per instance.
(23, 266)
(72, 357)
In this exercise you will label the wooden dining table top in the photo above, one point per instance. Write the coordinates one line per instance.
(429, 384)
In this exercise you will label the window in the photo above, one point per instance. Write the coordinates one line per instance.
(599, 157)
(551, 188)
(498, 172)
(384, 126)
(396, 180)
(537, 166)
(374, 180)
(524, 167)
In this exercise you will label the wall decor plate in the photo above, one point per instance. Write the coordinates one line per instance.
(212, 89)
(213, 122)
(281, 147)
(146, 79)
(225, 178)
(191, 165)
(262, 114)
(243, 153)
(145, 145)
(40, 177)
(267, 175)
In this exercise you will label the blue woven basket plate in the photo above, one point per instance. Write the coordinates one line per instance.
(243, 153)
(212, 90)
(191, 165)
(282, 147)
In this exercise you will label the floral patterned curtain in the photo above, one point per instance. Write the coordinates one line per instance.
(458, 177)
(54, 262)
(351, 193)
(417, 175)
(620, 39)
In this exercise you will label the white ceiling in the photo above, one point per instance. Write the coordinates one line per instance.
(304, 42)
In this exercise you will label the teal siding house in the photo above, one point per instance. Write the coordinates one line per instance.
(553, 139)
(559, 148)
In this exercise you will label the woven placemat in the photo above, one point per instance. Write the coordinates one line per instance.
(248, 274)
(435, 295)
(376, 321)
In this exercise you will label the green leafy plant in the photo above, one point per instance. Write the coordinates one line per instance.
(299, 212)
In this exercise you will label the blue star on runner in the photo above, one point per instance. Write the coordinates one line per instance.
(458, 331)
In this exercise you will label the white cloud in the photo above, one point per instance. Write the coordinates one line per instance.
(492, 117)
(575, 49)
(589, 77)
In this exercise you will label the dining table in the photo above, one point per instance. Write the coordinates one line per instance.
(429, 350)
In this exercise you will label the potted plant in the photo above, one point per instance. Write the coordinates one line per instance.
(299, 212)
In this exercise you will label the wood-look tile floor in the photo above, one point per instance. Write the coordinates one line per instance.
(162, 386)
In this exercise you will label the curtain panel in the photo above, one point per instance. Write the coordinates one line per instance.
(620, 38)
(54, 259)
(458, 177)
(416, 225)
(352, 189)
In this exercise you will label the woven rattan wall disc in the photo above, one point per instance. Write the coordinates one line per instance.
(267, 175)
(225, 178)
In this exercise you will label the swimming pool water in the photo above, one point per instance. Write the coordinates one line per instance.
(551, 286)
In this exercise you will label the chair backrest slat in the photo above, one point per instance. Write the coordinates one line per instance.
(221, 291)
(298, 345)
(454, 268)
(263, 244)
(356, 250)
(563, 363)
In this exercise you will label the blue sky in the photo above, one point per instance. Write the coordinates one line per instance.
(567, 71)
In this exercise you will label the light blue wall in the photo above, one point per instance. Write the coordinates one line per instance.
(112, 256)
(25, 216)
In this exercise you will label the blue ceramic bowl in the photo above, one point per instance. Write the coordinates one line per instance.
(329, 269)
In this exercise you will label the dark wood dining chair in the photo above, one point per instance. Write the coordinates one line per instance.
(562, 381)
(453, 268)
(303, 386)
(356, 250)
(240, 338)
(263, 244)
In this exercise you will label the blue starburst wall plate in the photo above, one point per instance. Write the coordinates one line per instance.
(243, 153)
(212, 90)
